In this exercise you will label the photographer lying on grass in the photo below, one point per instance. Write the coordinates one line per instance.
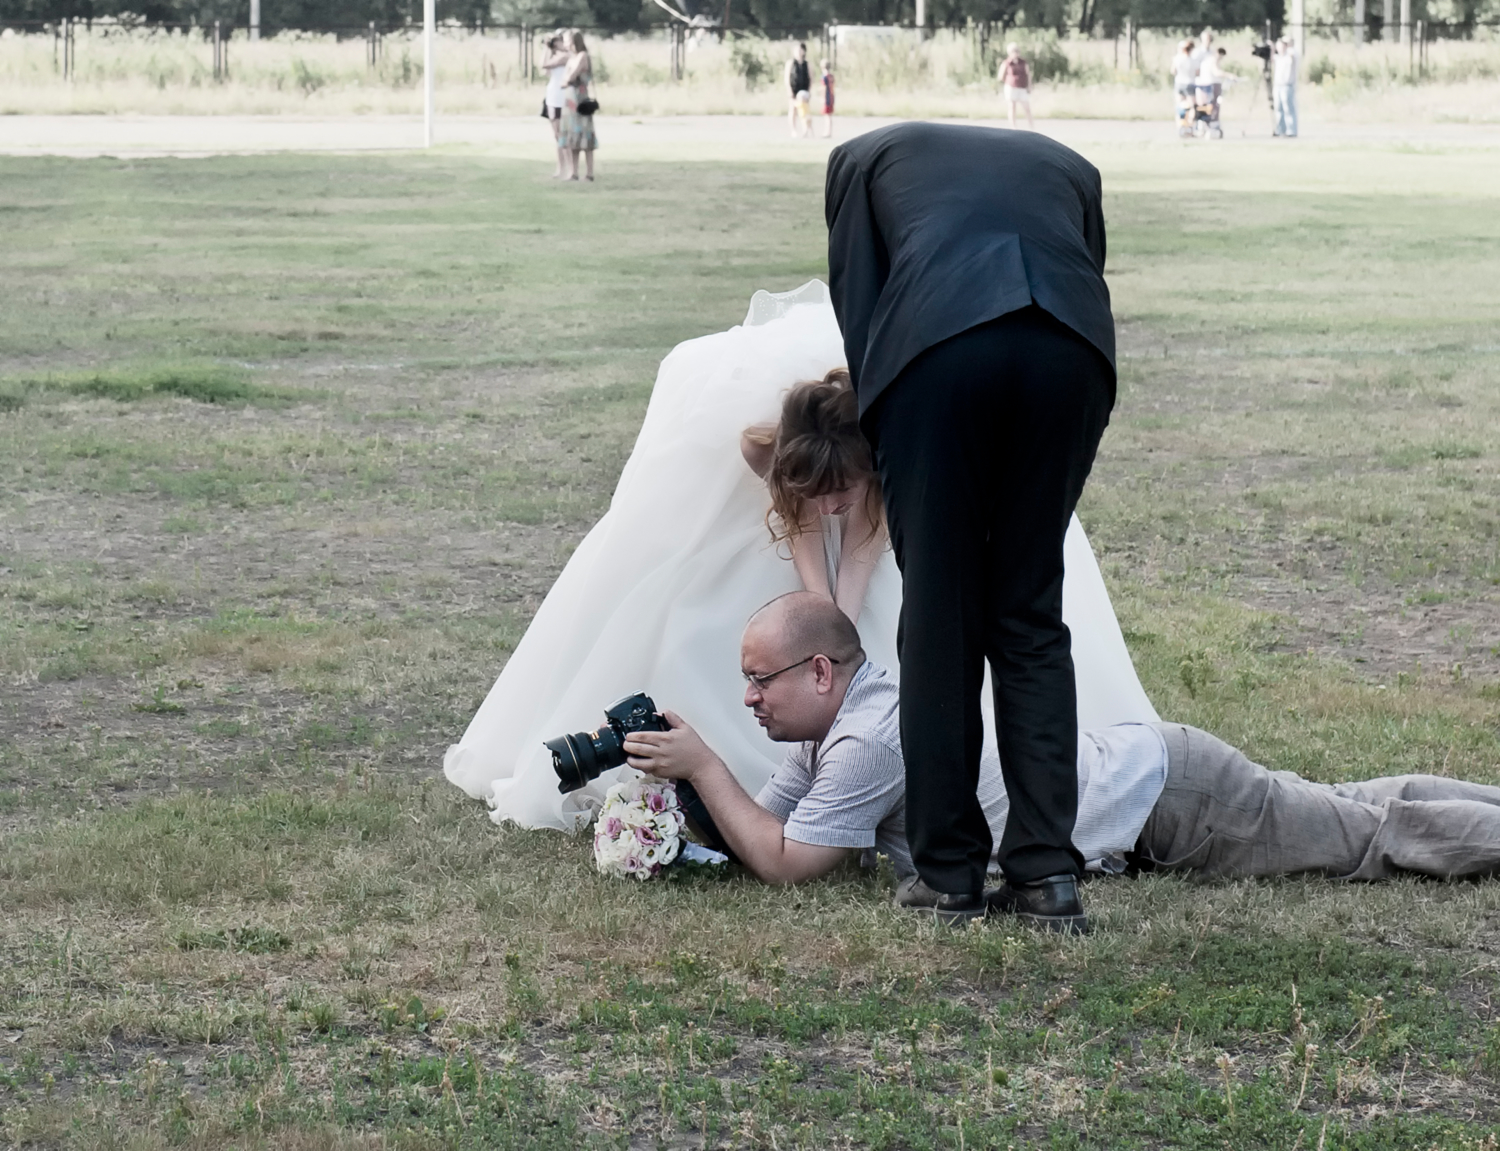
(1149, 795)
(841, 788)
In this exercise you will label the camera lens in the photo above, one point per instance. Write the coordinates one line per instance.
(582, 756)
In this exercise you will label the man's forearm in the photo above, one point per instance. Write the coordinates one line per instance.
(756, 835)
(752, 831)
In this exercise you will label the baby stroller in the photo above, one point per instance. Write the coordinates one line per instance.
(1206, 112)
(1185, 106)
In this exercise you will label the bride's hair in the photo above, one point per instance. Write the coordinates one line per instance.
(818, 448)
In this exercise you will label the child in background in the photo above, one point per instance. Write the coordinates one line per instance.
(827, 99)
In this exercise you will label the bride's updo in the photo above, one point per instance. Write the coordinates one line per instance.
(817, 449)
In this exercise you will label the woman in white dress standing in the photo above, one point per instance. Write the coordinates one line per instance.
(556, 67)
(656, 595)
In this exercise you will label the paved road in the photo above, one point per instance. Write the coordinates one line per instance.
(677, 137)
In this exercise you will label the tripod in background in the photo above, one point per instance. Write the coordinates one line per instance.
(1264, 51)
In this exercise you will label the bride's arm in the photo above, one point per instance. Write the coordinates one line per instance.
(807, 554)
(757, 444)
(861, 552)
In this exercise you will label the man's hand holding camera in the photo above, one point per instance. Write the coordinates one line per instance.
(678, 753)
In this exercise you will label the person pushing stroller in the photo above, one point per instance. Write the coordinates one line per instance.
(1208, 89)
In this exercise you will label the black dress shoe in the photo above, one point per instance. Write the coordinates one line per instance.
(1051, 904)
(914, 895)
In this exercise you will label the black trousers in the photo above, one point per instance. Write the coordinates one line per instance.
(983, 445)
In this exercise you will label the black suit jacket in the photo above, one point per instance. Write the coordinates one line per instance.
(936, 228)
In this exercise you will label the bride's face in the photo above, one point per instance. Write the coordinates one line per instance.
(836, 503)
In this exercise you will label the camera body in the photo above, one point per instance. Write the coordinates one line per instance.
(583, 756)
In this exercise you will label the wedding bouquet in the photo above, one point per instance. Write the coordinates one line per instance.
(639, 829)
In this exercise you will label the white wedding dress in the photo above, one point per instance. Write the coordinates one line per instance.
(657, 594)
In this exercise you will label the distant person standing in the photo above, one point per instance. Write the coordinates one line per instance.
(579, 106)
(827, 99)
(1184, 76)
(556, 67)
(799, 80)
(1205, 47)
(1284, 88)
(1211, 75)
(1015, 78)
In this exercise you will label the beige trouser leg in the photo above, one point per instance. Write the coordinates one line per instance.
(1222, 815)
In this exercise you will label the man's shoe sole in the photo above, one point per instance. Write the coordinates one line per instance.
(948, 918)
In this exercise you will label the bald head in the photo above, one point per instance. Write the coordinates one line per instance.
(799, 655)
(803, 623)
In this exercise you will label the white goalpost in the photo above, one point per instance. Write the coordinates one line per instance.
(429, 18)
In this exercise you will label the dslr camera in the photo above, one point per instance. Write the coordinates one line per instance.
(582, 756)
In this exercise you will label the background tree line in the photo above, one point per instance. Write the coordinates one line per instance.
(1105, 17)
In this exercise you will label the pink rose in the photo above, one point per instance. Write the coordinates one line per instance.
(612, 826)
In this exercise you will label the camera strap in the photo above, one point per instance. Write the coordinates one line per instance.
(701, 821)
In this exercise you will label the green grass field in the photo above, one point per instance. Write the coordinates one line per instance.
(290, 450)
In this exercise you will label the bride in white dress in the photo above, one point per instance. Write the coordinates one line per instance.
(658, 592)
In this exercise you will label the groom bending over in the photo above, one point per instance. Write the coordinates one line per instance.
(966, 267)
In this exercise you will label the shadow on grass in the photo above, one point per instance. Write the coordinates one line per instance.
(203, 383)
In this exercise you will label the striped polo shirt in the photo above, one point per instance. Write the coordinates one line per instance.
(850, 789)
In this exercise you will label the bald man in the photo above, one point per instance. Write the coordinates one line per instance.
(841, 787)
(1158, 795)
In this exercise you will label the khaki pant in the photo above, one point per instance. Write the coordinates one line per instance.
(1222, 815)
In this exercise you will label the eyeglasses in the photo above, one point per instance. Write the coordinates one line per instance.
(758, 682)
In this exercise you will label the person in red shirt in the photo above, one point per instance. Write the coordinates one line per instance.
(1016, 79)
(827, 99)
